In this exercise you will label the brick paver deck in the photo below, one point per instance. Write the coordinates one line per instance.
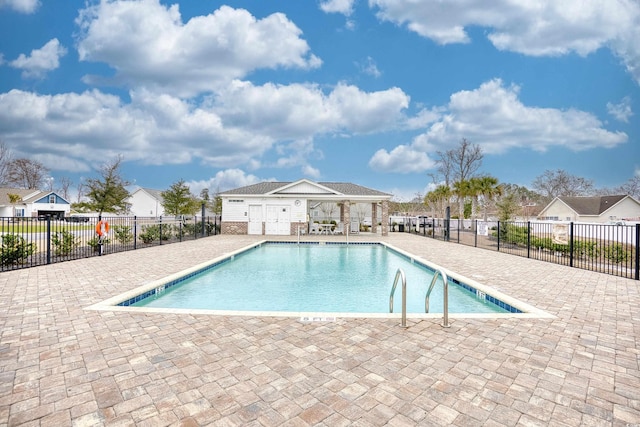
(62, 365)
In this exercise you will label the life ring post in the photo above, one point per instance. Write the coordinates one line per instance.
(102, 229)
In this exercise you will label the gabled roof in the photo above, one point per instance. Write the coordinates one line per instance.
(27, 195)
(594, 206)
(343, 189)
(156, 194)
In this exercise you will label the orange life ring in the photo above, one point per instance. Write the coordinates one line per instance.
(102, 228)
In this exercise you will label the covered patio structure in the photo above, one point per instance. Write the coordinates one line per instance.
(285, 208)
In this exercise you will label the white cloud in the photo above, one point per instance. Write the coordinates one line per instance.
(424, 118)
(622, 110)
(310, 171)
(493, 117)
(301, 111)
(148, 45)
(41, 60)
(540, 28)
(224, 180)
(344, 7)
(22, 6)
(402, 159)
(236, 128)
(370, 68)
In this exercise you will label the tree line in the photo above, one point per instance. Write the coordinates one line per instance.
(107, 193)
(457, 182)
(461, 185)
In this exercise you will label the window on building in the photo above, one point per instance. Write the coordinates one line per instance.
(52, 199)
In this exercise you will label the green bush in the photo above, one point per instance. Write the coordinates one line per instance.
(15, 249)
(585, 248)
(95, 243)
(151, 233)
(64, 242)
(616, 253)
(122, 233)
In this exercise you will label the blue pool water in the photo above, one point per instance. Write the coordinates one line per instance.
(314, 278)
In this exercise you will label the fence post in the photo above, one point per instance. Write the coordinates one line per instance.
(498, 236)
(637, 252)
(447, 223)
(528, 239)
(48, 239)
(203, 227)
(475, 235)
(571, 244)
(160, 228)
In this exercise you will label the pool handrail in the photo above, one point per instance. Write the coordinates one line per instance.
(400, 274)
(445, 295)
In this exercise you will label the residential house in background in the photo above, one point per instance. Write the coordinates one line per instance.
(596, 209)
(145, 202)
(33, 203)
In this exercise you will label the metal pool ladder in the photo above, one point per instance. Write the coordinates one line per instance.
(445, 298)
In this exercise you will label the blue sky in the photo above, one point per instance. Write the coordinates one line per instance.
(223, 95)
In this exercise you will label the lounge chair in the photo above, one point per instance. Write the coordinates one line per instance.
(339, 228)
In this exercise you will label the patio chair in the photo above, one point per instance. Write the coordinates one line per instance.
(339, 228)
(314, 228)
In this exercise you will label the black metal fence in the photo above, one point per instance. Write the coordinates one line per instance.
(29, 242)
(606, 248)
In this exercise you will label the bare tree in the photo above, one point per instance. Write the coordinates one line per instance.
(64, 184)
(552, 184)
(632, 187)
(82, 190)
(5, 158)
(328, 208)
(26, 173)
(459, 164)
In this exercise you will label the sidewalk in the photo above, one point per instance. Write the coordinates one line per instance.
(62, 365)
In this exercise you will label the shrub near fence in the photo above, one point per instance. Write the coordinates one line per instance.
(28, 242)
(611, 249)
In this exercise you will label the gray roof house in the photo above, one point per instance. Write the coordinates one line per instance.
(33, 203)
(596, 209)
(285, 208)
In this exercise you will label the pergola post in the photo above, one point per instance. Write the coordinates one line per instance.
(385, 218)
(345, 215)
(374, 217)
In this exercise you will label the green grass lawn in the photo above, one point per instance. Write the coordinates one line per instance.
(37, 227)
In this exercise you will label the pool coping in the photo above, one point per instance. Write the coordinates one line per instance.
(112, 304)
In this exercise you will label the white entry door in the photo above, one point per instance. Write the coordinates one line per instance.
(278, 220)
(255, 219)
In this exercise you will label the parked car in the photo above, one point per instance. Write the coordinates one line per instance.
(76, 218)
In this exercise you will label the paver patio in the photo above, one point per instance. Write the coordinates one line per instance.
(63, 365)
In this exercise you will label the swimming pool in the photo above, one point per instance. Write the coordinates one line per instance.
(289, 278)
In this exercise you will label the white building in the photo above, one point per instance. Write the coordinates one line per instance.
(145, 202)
(283, 208)
(598, 209)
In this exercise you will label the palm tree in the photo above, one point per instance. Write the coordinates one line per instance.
(438, 198)
(462, 190)
(13, 200)
(488, 187)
